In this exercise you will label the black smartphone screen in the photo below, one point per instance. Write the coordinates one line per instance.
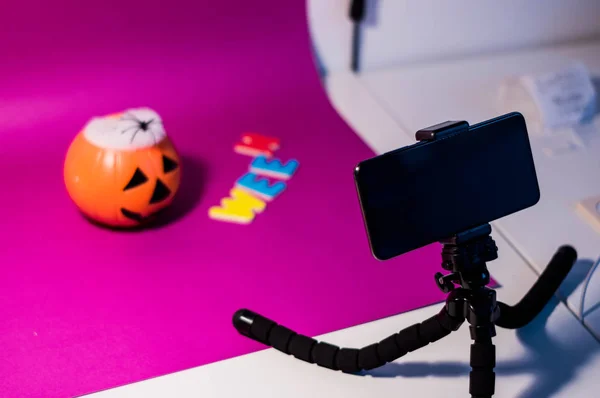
(429, 191)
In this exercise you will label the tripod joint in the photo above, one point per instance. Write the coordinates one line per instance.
(446, 282)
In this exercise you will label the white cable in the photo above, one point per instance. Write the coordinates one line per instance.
(586, 283)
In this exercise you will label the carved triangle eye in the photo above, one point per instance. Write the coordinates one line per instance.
(138, 179)
(169, 164)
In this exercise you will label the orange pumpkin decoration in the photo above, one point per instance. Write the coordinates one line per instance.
(121, 169)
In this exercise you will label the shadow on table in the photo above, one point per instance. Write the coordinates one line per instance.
(421, 369)
(554, 363)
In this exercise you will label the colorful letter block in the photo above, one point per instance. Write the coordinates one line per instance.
(253, 144)
(240, 207)
(260, 187)
(273, 168)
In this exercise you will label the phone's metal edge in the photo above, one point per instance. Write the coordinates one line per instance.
(362, 210)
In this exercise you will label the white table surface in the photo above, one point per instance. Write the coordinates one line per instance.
(555, 356)
(420, 96)
(558, 359)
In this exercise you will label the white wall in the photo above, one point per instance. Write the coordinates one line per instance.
(407, 31)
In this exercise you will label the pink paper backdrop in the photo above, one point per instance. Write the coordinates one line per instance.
(85, 308)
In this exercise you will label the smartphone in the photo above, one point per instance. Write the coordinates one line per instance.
(423, 193)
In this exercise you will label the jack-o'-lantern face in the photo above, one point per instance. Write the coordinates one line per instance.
(122, 169)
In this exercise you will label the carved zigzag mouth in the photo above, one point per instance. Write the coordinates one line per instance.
(138, 217)
(132, 215)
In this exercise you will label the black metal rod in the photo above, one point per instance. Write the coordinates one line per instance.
(357, 14)
(355, 61)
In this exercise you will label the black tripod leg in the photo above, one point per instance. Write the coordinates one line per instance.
(483, 361)
(540, 293)
(349, 360)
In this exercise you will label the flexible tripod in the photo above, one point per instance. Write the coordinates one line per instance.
(465, 255)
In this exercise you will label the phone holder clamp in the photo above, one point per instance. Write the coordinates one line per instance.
(441, 130)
